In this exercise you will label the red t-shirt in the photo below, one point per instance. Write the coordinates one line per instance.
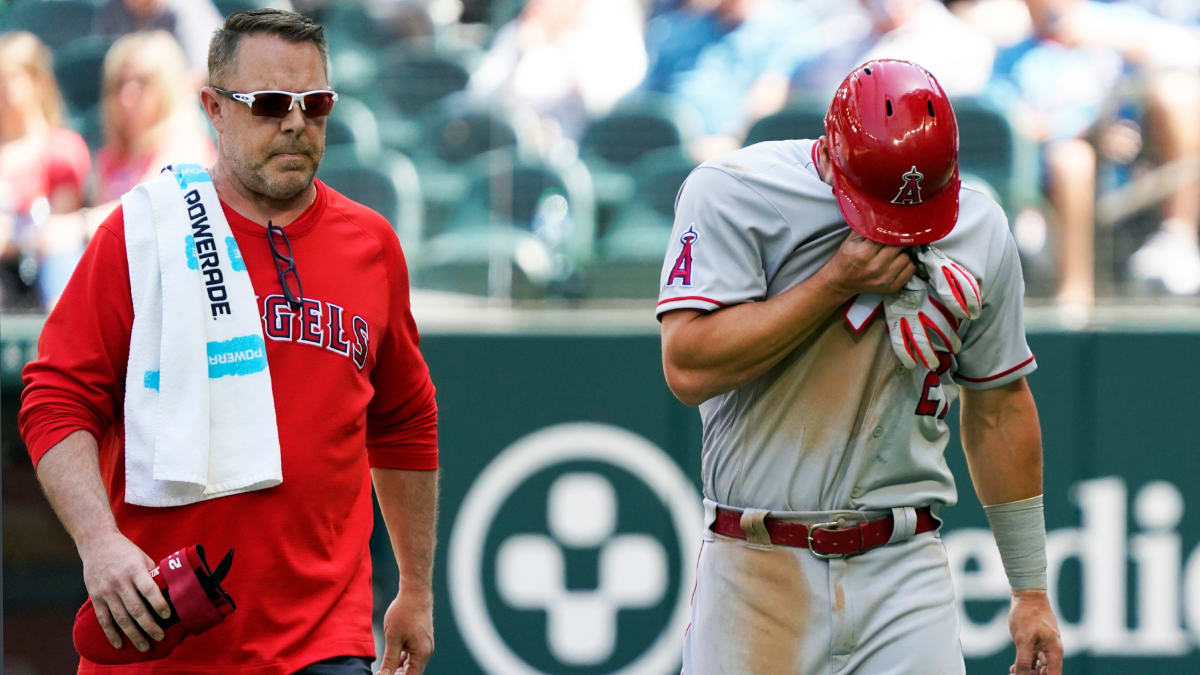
(361, 398)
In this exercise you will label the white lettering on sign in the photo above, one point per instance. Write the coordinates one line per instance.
(1167, 579)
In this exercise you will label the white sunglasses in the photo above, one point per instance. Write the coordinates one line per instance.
(271, 103)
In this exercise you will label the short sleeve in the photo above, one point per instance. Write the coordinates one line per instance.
(994, 350)
(715, 254)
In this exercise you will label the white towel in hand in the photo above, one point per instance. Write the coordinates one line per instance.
(199, 412)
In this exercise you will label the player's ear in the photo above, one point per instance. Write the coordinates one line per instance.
(823, 160)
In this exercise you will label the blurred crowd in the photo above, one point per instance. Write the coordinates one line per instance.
(1105, 95)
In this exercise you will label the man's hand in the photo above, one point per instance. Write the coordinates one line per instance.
(116, 574)
(863, 266)
(408, 632)
(1035, 633)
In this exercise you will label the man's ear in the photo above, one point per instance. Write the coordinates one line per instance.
(211, 101)
(824, 162)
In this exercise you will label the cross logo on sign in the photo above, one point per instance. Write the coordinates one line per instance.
(582, 624)
(574, 551)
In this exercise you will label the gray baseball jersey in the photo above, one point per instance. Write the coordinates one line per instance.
(837, 424)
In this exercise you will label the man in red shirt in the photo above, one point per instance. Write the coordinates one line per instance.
(352, 395)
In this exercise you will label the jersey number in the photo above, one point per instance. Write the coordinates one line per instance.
(929, 404)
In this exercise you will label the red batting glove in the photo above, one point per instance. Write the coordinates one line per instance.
(197, 603)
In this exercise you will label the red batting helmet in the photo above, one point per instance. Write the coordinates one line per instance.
(893, 140)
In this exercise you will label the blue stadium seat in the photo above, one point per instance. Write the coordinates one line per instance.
(352, 125)
(803, 118)
(227, 7)
(459, 129)
(412, 80)
(629, 257)
(990, 147)
(506, 188)
(353, 21)
(89, 123)
(500, 224)
(78, 67)
(388, 184)
(55, 22)
(638, 125)
(453, 133)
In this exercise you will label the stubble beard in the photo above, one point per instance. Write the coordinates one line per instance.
(275, 186)
(279, 187)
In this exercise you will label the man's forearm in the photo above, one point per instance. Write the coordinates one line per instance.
(1003, 445)
(70, 476)
(708, 354)
(408, 501)
(1002, 440)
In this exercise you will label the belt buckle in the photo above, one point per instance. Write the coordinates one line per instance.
(812, 529)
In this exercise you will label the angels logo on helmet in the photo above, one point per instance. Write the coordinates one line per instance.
(910, 193)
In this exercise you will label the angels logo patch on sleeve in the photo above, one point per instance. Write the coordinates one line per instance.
(682, 269)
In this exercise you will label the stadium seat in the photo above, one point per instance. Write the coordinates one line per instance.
(352, 125)
(454, 132)
(501, 12)
(352, 21)
(78, 67)
(501, 261)
(352, 66)
(991, 148)
(55, 22)
(459, 129)
(412, 80)
(636, 126)
(658, 176)
(501, 220)
(90, 124)
(389, 185)
(227, 7)
(629, 257)
(506, 188)
(801, 119)
(628, 263)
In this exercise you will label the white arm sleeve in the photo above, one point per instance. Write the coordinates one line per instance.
(715, 256)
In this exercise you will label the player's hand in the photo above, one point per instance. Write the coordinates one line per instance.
(863, 266)
(955, 286)
(408, 632)
(916, 327)
(117, 576)
(1035, 633)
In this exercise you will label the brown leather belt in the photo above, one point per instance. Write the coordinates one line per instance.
(825, 540)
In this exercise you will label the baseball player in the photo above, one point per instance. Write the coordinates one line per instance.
(824, 302)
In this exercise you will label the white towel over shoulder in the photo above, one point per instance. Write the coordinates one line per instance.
(199, 412)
